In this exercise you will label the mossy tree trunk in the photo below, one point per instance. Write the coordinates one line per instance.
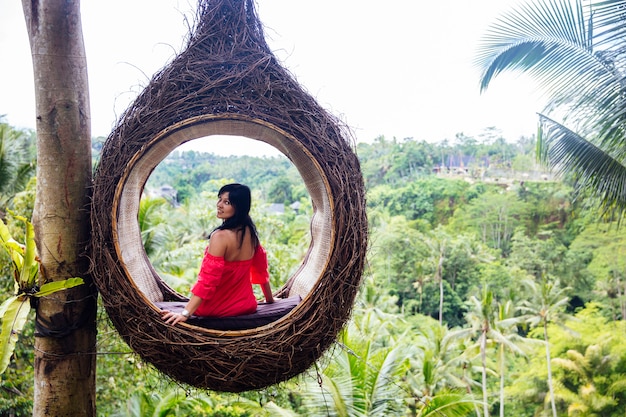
(65, 344)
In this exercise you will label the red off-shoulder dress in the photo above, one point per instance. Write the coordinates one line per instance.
(226, 287)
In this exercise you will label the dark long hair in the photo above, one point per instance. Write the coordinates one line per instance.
(240, 198)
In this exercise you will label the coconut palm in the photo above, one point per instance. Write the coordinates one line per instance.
(481, 317)
(437, 245)
(577, 53)
(439, 361)
(506, 323)
(546, 305)
(496, 326)
(586, 373)
(437, 377)
(363, 379)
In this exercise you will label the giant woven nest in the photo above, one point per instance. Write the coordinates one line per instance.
(228, 82)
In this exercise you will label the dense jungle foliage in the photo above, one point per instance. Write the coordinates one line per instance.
(490, 287)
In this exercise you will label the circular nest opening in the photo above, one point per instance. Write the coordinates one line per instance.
(227, 82)
(126, 230)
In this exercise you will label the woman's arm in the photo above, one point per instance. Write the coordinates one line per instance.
(173, 318)
(267, 292)
(259, 273)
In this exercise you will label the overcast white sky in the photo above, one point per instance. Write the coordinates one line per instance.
(399, 68)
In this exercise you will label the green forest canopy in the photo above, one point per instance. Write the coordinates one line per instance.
(473, 232)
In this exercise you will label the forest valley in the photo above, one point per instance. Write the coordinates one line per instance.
(491, 288)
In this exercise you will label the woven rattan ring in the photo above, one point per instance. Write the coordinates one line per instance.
(227, 82)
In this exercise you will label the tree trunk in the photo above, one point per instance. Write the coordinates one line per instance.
(548, 360)
(468, 383)
(483, 360)
(620, 297)
(66, 329)
(502, 369)
(440, 277)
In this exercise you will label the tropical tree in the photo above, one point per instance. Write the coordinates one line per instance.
(546, 304)
(580, 371)
(437, 380)
(437, 244)
(494, 218)
(589, 370)
(481, 318)
(589, 377)
(537, 256)
(602, 250)
(454, 264)
(143, 404)
(576, 50)
(495, 324)
(363, 379)
(449, 404)
(508, 339)
(396, 252)
(64, 351)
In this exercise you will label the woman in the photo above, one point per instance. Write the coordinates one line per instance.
(233, 261)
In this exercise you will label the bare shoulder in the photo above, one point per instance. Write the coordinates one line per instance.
(220, 241)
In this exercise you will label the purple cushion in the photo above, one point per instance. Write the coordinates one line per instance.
(265, 314)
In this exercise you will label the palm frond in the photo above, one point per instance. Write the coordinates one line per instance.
(578, 56)
(450, 404)
(548, 40)
(386, 394)
(594, 168)
(609, 19)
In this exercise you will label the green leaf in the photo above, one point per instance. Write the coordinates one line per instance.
(52, 287)
(449, 404)
(28, 273)
(5, 235)
(13, 321)
(15, 251)
(5, 305)
(275, 410)
(23, 256)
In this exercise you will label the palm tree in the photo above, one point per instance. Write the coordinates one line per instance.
(589, 371)
(437, 244)
(508, 339)
(437, 381)
(496, 325)
(546, 305)
(440, 246)
(577, 54)
(362, 379)
(481, 318)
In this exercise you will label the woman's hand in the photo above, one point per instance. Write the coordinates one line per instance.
(172, 318)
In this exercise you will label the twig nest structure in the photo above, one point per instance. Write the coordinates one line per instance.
(228, 82)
